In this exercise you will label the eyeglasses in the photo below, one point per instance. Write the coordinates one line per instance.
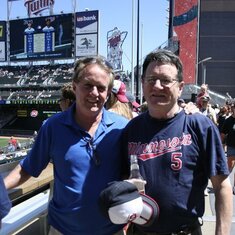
(164, 82)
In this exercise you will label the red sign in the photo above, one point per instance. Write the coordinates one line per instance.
(34, 113)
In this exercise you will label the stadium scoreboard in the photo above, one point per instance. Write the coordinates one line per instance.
(49, 37)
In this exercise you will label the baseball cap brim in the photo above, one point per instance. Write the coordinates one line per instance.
(122, 203)
(135, 104)
(150, 212)
(122, 98)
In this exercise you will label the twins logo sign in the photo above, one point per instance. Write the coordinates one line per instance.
(115, 39)
(34, 7)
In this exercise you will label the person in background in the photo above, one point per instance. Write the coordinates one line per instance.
(29, 29)
(67, 96)
(207, 110)
(5, 203)
(143, 107)
(83, 143)
(222, 115)
(48, 27)
(118, 101)
(13, 142)
(135, 106)
(228, 134)
(203, 92)
(177, 154)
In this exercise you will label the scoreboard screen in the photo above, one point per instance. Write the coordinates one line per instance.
(41, 38)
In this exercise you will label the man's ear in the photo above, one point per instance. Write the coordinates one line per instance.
(181, 87)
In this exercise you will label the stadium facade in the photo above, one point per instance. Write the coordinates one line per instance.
(216, 40)
(204, 31)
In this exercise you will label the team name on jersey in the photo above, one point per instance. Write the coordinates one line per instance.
(155, 149)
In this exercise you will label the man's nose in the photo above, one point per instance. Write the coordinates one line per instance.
(95, 90)
(158, 84)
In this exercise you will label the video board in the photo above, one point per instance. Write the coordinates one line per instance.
(41, 38)
(2, 41)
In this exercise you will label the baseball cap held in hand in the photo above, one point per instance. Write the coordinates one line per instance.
(122, 203)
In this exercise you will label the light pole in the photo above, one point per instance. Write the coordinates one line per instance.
(132, 49)
(137, 55)
(202, 62)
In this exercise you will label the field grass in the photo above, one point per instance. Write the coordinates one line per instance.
(4, 141)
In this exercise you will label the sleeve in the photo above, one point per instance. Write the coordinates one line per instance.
(39, 156)
(210, 145)
(5, 203)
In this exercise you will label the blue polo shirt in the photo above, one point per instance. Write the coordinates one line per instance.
(83, 166)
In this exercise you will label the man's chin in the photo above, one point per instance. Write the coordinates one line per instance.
(157, 103)
(95, 109)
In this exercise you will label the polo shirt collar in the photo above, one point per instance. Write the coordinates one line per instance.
(69, 116)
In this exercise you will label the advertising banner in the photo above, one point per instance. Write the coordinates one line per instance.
(86, 24)
(2, 51)
(86, 45)
(2, 41)
(185, 26)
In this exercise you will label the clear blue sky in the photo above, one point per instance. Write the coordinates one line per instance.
(153, 21)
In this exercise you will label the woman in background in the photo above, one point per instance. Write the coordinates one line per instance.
(118, 101)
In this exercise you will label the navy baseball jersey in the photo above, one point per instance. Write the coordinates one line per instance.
(176, 157)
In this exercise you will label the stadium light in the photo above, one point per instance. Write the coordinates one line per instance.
(202, 62)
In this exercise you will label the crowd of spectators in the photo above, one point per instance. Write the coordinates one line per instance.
(37, 82)
(35, 75)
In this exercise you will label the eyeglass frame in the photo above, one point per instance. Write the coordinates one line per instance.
(151, 80)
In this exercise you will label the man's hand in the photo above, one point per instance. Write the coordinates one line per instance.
(139, 183)
(191, 108)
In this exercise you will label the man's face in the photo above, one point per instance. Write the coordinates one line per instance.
(92, 90)
(164, 90)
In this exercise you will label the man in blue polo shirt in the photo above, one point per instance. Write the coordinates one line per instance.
(83, 144)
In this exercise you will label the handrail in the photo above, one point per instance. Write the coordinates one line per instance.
(25, 213)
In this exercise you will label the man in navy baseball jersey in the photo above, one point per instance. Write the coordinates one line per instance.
(177, 153)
